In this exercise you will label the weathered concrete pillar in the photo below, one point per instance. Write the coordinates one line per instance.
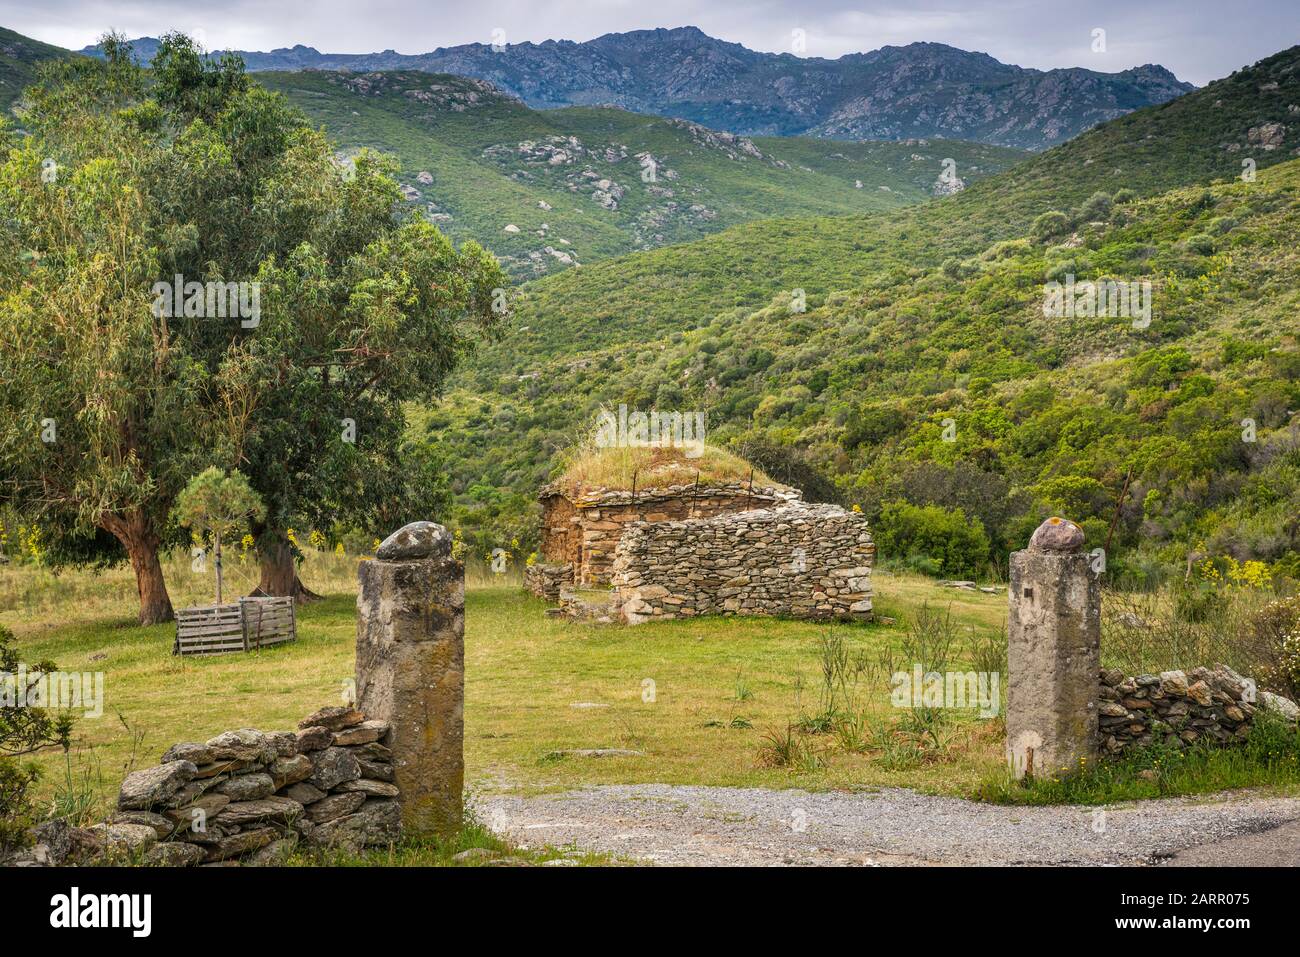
(411, 669)
(1053, 653)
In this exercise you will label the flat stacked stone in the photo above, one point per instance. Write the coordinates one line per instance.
(1179, 708)
(246, 796)
(546, 580)
(801, 561)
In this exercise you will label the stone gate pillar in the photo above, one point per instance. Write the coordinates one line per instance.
(411, 669)
(1053, 653)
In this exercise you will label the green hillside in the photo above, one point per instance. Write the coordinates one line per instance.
(19, 56)
(930, 320)
(576, 182)
(1199, 138)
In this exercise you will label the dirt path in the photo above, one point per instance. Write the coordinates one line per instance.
(663, 824)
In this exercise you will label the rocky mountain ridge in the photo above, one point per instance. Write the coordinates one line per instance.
(917, 90)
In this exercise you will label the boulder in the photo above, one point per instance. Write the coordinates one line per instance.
(370, 787)
(194, 817)
(375, 770)
(57, 838)
(246, 744)
(378, 822)
(314, 739)
(274, 854)
(364, 733)
(162, 825)
(277, 809)
(124, 838)
(1283, 706)
(236, 845)
(305, 793)
(335, 806)
(1173, 682)
(415, 541)
(1057, 535)
(195, 753)
(174, 854)
(289, 770)
(284, 743)
(1200, 692)
(220, 768)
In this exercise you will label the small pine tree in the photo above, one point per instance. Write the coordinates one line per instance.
(218, 503)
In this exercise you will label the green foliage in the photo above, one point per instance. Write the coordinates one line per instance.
(218, 502)
(1270, 756)
(191, 170)
(486, 157)
(946, 538)
(1049, 224)
(19, 58)
(1096, 207)
(23, 730)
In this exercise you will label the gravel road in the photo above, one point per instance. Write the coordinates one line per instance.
(712, 826)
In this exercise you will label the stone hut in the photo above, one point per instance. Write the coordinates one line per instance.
(582, 523)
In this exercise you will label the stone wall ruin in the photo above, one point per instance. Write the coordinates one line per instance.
(583, 528)
(798, 560)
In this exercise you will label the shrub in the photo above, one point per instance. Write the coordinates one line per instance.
(1096, 208)
(1276, 630)
(23, 730)
(959, 545)
(15, 805)
(1049, 224)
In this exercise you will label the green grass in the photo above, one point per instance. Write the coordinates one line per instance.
(524, 673)
(1270, 759)
(715, 701)
(434, 852)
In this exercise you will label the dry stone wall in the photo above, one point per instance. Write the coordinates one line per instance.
(802, 561)
(244, 796)
(546, 580)
(584, 529)
(1178, 708)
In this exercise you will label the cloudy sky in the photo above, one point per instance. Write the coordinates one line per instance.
(1200, 40)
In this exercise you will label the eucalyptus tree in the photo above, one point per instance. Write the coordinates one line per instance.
(200, 282)
(362, 306)
(99, 402)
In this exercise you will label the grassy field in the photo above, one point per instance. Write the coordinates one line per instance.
(732, 701)
(534, 686)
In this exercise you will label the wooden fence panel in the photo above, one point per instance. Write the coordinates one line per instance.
(221, 629)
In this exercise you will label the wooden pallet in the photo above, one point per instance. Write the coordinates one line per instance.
(240, 626)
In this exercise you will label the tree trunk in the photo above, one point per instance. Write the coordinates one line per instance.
(216, 538)
(279, 572)
(141, 543)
